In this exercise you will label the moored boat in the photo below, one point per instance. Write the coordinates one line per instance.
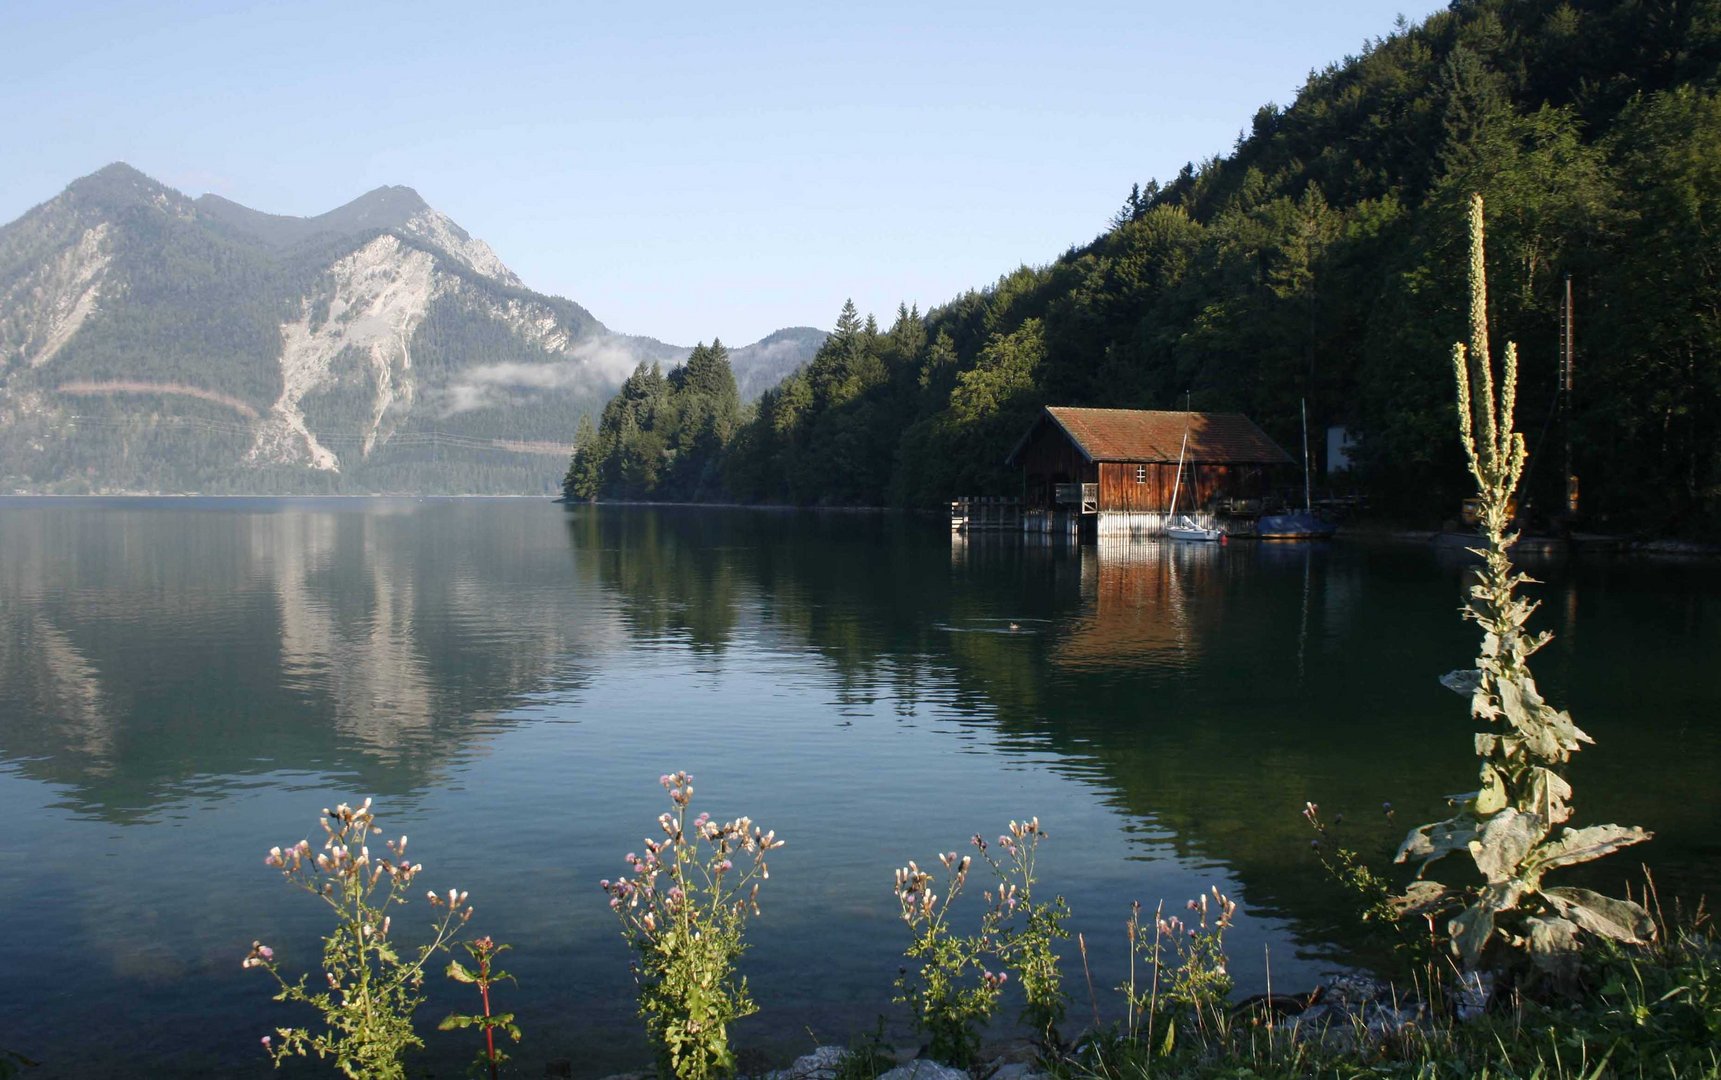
(1186, 528)
(1182, 526)
(1296, 525)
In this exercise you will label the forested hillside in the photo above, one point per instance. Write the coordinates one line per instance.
(1322, 260)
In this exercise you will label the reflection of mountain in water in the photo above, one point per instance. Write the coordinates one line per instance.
(306, 638)
(147, 653)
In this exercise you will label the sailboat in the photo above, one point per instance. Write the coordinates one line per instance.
(1184, 527)
(1297, 524)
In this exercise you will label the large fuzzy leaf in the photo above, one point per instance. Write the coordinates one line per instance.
(1437, 840)
(1503, 842)
(1554, 945)
(1464, 681)
(1421, 899)
(1549, 792)
(1474, 926)
(1621, 920)
(1575, 846)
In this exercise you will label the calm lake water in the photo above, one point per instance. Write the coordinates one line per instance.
(184, 683)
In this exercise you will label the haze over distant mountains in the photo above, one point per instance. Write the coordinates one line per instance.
(150, 342)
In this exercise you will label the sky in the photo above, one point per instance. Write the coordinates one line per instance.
(682, 171)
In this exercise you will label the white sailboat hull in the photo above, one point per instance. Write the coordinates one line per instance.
(1185, 529)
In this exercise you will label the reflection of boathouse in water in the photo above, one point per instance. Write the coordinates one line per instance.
(1112, 472)
(1140, 602)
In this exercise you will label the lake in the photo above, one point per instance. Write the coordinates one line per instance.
(184, 683)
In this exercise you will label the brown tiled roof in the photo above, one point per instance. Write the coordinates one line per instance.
(1140, 435)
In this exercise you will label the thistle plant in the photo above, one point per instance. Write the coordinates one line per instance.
(483, 974)
(1514, 826)
(372, 986)
(951, 993)
(1024, 929)
(684, 912)
(1189, 978)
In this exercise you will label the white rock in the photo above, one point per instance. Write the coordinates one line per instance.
(923, 1069)
(821, 1064)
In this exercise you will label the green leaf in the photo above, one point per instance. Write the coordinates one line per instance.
(456, 1022)
(459, 973)
(1492, 798)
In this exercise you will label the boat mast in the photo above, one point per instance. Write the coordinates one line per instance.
(1178, 480)
(1308, 501)
(1566, 360)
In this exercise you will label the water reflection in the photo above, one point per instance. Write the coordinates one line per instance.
(139, 655)
(181, 684)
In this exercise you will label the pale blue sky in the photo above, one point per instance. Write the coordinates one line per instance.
(682, 171)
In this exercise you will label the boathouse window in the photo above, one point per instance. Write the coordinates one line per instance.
(1141, 474)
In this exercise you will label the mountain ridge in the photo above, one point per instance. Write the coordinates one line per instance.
(150, 341)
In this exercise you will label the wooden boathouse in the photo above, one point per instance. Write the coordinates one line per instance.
(1110, 472)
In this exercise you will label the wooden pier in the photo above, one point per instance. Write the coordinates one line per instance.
(986, 513)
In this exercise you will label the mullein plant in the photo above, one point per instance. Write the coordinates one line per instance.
(684, 911)
(1513, 828)
(373, 987)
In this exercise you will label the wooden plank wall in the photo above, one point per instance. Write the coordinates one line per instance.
(1202, 486)
(1051, 458)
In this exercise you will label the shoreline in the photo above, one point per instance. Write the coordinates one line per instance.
(1580, 544)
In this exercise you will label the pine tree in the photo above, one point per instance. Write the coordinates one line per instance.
(585, 467)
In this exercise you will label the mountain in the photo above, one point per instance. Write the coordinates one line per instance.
(766, 362)
(154, 342)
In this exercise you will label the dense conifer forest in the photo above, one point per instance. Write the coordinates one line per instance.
(1322, 260)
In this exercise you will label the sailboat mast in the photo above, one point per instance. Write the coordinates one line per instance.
(1308, 499)
(1177, 481)
(1566, 315)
